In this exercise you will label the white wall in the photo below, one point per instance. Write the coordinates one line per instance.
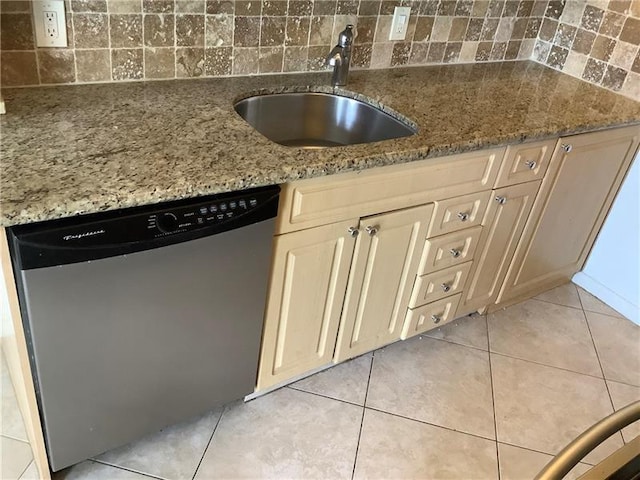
(612, 271)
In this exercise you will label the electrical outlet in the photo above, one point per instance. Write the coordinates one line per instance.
(49, 20)
(400, 23)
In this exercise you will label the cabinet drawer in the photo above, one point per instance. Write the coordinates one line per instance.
(434, 286)
(457, 213)
(319, 201)
(524, 163)
(430, 316)
(448, 250)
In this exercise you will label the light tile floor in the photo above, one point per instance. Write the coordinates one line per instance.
(484, 397)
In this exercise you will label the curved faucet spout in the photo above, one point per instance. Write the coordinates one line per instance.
(340, 57)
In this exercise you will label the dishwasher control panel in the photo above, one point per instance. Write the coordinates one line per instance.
(201, 215)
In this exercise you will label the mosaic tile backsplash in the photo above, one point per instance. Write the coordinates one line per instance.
(120, 40)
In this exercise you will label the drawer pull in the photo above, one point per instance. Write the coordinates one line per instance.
(372, 230)
(445, 287)
(531, 164)
(455, 253)
(463, 216)
(353, 231)
(501, 200)
(567, 147)
(436, 318)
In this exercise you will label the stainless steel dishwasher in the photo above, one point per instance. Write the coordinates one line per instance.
(143, 317)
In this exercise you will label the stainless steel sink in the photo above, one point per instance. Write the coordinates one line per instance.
(317, 120)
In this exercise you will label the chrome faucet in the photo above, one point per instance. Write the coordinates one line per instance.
(340, 57)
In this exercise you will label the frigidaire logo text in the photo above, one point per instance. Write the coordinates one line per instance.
(82, 235)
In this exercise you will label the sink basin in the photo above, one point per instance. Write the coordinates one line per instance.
(318, 120)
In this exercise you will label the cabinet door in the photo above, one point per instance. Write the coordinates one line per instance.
(502, 228)
(576, 194)
(384, 268)
(308, 284)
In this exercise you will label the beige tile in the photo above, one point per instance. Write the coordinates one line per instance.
(285, 434)
(622, 395)
(12, 424)
(544, 408)
(435, 382)
(14, 459)
(593, 304)
(566, 295)
(618, 344)
(90, 470)
(397, 448)
(544, 333)
(346, 381)
(470, 330)
(521, 464)
(171, 453)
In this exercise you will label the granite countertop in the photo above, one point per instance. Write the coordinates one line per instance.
(80, 149)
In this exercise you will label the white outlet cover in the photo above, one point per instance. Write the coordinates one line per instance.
(400, 23)
(54, 35)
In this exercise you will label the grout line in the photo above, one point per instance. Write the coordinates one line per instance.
(493, 399)
(539, 451)
(14, 438)
(208, 443)
(553, 303)
(364, 408)
(545, 365)
(297, 389)
(102, 462)
(25, 468)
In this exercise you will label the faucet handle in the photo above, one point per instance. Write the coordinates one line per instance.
(345, 39)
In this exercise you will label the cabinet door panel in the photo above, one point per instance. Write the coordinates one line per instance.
(382, 275)
(309, 280)
(430, 316)
(569, 210)
(525, 163)
(444, 283)
(458, 213)
(448, 250)
(502, 228)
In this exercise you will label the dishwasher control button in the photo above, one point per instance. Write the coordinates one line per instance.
(253, 202)
(243, 204)
(213, 208)
(203, 210)
(200, 220)
(233, 205)
(223, 206)
(167, 223)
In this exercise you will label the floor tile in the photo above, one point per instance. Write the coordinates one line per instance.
(12, 424)
(435, 382)
(31, 473)
(545, 333)
(470, 330)
(544, 408)
(173, 453)
(15, 458)
(346, 381)
(285, 434)
(521, 464)
(91, 470)
(397, 448)
(617, 342)
(622, 395)
(594, 304)
(566, 295)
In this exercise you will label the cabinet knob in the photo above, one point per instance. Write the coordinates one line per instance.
(353, 231)
(436, 318)
(532, 164)
(463, 216)
(445, 287)
(455, 253)
(501, 200)
(372, 230)
(567, 147)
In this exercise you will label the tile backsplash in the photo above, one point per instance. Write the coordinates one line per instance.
(119, 40)
(595, 40)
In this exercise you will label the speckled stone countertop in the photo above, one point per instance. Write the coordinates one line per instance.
(88, 148)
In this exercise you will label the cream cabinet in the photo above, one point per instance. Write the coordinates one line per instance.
(384, 267)
(575, 196)
(502, 226)
(308, 284)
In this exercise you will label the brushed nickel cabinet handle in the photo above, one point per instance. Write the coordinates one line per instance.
(501, 200)
(567, 147)
(445, 287)
(353, 231)
(455, 253)
(463, 216)
(436, 318)
(372, 230)
(532, 164)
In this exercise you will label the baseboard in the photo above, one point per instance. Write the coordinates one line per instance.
(608, 296)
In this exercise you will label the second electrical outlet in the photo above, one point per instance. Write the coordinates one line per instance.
(400, 23)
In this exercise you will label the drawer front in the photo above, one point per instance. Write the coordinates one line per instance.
(430, 316)
(457, 213)
(448, 250)
(524, 163)
(434, 286)
(329, 199)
